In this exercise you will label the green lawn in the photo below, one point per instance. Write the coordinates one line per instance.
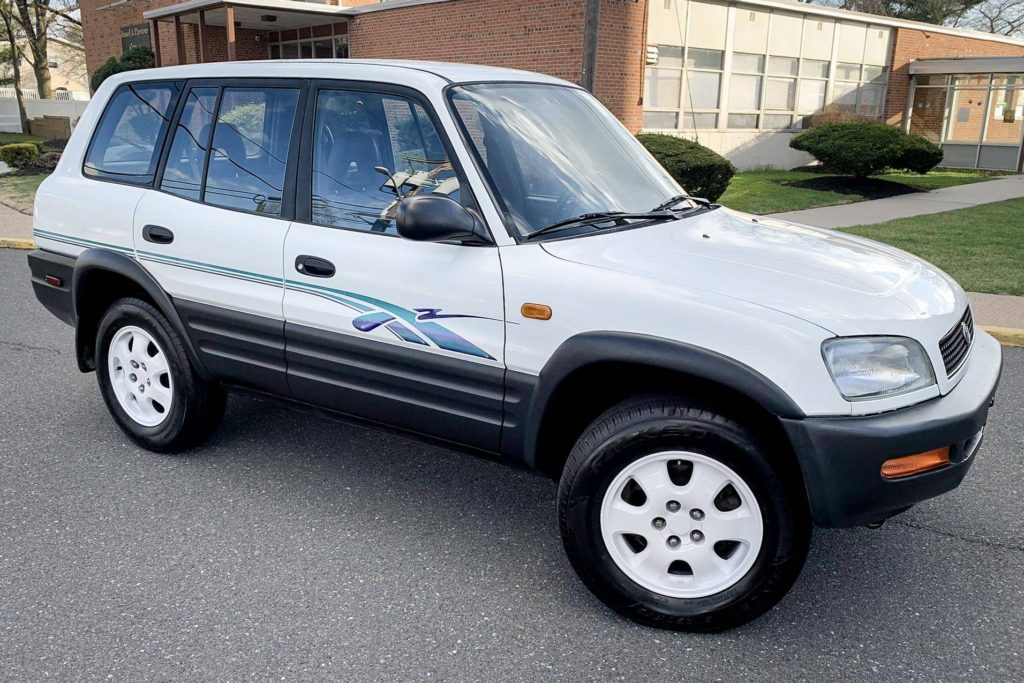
(981, 247)
(19, 191)
(776, 191)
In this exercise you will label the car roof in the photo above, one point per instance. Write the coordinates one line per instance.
(421, 73)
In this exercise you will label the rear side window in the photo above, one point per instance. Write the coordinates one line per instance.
(126, 144)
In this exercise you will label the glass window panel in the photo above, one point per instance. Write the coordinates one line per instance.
(323, 49)
(742, 120)
(275, 52)
(747, 63)
(128, 137)
(744, 92)
(780, 94)
(663, 88)
(847, 72)
(341, 47)
(814, 68)
(874, 73)
(844, 95)
(250, 149)
(354, 133)
(782, 66)
(974, 80)
(306, 49)
(703, 89)
(812, 96)
(699, 121)
(776, 121)
(700, 58)
(932, 79)
(183, 172)
(670, 56)
(869, 102)
(290, 51)
(660, 120)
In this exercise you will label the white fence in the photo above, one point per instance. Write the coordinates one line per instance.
(76, 95)
(10, 122)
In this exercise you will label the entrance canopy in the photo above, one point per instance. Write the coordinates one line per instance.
(273, 17)
(973, 107)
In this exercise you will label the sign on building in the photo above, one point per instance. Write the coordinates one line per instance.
(136, 34)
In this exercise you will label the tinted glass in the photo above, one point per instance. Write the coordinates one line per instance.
(127, 141)
(249, 154)
(357, 133)
(553, 153)
(183, 173)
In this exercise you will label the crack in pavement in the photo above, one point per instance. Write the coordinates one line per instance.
(19, 346)
(950, 534)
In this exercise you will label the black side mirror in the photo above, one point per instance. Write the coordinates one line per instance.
(437, 218)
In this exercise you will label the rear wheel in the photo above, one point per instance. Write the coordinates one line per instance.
(148, 383)
(677, 517)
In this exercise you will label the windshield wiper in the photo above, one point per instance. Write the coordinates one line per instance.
(601, 217)
(669, 203)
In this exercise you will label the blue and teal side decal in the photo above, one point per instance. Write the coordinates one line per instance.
(415, 326)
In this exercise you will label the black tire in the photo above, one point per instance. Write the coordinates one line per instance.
(647, 425)
(197, 406)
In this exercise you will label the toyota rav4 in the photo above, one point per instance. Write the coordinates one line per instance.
(488, 258)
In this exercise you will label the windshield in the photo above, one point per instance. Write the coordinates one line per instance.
(553, 153)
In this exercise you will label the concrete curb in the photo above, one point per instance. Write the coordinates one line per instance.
(1007, 336)
(14, 243)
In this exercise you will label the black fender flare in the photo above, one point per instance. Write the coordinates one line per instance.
(591, 348)
(93, 262)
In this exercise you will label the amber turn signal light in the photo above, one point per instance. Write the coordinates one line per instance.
(913, 464)
(536, 311)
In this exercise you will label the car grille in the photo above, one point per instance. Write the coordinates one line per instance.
(957, 343)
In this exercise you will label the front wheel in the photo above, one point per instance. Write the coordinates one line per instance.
(677, 517)
(148, 383)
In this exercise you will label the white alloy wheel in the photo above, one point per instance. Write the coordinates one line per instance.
(140, 376)
(681, 524)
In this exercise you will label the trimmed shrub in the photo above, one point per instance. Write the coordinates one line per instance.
(45, 163)
(137, 57)
(702, 172)
(919, 155)
(864, 148)
(19, 155)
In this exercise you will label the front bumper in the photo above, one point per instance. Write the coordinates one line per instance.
(841, 457)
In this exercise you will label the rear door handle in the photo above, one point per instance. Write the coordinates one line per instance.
(157, 234)
(314, 266)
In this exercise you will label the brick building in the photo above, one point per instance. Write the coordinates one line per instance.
(741, 77)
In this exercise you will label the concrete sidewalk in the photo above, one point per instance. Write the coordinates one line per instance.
(14, 224)
(916, 204)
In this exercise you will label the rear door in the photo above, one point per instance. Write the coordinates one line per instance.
(402, 332)
(213, 231)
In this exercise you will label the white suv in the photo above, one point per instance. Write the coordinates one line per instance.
(488, 258)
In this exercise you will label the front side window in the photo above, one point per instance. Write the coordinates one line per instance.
(126, 145)
(249, 150)
(369, 150)
(552, 153)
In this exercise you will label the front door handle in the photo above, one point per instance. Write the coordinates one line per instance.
(157, 234)
(314, 266)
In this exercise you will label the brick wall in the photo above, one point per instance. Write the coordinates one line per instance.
(621, 48)
(911, 44)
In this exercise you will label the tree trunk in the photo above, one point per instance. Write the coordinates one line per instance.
(41, 66)
(12, 41)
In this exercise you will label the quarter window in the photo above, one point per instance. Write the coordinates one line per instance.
(183, 172)
(125, 147)
(370, 149)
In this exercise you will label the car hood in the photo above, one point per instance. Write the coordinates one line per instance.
(840, 282)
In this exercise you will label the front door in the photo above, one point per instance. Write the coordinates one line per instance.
(213, 231)
(377, 326)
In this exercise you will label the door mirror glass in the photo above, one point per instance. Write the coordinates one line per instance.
(436, 218)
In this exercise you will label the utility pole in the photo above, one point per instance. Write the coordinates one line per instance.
(591, 22)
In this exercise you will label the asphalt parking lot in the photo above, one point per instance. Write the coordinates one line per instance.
(297, 547)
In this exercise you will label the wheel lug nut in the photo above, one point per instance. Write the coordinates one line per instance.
(132, 377)
(658, 523)
(142, 388)
(135, 363)
(697, 514)
(673, 541)
(696, 536)
(673, 506)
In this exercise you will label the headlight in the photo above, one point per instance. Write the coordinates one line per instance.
(875, 367)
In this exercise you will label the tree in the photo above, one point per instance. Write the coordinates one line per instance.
(9, 28)
(1005, 17)
(36, 20)
(929, 11)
